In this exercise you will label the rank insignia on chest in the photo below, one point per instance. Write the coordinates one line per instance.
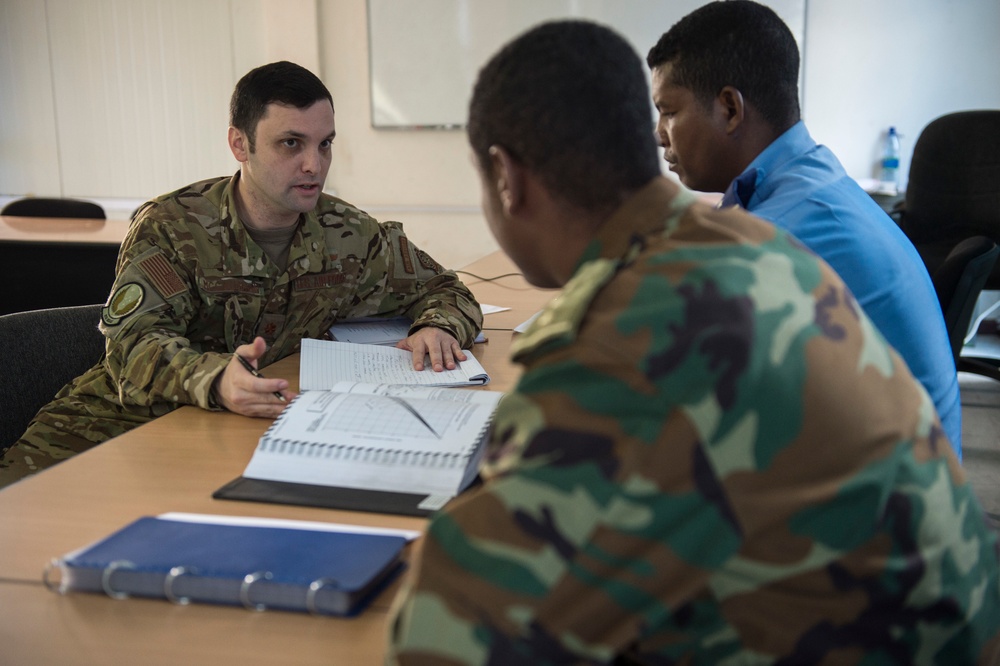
(270, 325)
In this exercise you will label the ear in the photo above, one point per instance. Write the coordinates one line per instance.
(508, 176)
(730, 101)
(239, 145)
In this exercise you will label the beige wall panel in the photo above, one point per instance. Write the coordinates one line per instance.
(142, 91)
(29, 159)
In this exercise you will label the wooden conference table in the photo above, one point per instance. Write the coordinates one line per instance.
(15, 229)
(174, 464)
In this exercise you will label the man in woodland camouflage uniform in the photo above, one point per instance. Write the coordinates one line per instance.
(712, 456)
(249, 264)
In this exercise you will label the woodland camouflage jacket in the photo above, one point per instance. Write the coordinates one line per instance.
(712, 457)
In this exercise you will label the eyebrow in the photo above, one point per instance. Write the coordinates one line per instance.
(292, 134)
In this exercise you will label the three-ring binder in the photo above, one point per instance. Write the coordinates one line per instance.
(259, 567)
(168, 584)
(249, 580)
(182, 600)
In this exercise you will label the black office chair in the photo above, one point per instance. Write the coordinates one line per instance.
(47, 207)
(958, 282)
(40, 352)
(954, 194)
(40, 275)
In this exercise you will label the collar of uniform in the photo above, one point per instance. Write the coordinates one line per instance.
(652, 209)
(242, 256)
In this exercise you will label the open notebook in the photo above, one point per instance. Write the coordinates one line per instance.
(371, 447)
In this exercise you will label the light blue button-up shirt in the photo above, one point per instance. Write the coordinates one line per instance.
(800, 186)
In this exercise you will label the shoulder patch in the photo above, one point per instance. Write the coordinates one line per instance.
(427, 261)
(126, 300)
(161, 275)
(559, 321)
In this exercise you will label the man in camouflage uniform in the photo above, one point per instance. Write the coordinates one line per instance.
(712, 456)
(249, 264)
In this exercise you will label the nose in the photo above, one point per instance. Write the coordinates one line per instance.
(660, 134)
(311, 161)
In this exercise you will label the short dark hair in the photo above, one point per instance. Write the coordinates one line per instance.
(278, 82)
(735, 43)
(569, 100)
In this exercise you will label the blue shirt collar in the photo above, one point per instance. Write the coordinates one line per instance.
(794, 141)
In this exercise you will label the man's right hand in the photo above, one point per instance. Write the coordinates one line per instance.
(239, 391)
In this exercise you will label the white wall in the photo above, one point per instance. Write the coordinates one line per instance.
(868, 64)
(425, 179)
(115, 99)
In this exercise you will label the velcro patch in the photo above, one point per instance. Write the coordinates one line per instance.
(126, 300)
(404, 251)
(427, 261)
(162, 275)
(229, 285)
(318, 281)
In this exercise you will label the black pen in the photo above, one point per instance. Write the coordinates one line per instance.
(408, 407)
(253, 371)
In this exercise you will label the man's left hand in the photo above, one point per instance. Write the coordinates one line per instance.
(439, 344)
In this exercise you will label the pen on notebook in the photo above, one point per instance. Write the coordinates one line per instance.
(253, 371)
(408, 407)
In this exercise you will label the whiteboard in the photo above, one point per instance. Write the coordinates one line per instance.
(424, 55)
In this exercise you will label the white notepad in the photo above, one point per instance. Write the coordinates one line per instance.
(323, 363)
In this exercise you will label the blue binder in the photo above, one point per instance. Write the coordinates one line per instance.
(323, 572)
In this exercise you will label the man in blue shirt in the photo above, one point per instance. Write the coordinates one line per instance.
(725, 84)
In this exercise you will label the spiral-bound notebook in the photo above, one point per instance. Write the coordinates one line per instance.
(369, 447)
(258, 563)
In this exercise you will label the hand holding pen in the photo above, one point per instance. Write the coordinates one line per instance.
(241, 388)
(253, 371)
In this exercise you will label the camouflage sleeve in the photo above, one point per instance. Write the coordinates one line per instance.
(146, 322)
(401, 279)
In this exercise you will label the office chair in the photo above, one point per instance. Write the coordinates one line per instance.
(954, 194)
(42, 275)
(45, 207)
(958, 282)
(40, 352)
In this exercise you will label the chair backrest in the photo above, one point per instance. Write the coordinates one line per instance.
(954, 185)
(958, 282)
(52, 275)
(45, 207)
(40, 352)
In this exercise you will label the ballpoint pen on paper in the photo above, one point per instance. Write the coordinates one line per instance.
(253, 371)
(408, 407)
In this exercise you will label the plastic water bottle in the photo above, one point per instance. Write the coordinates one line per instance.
(890, 163)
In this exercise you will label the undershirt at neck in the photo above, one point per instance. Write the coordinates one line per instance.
(274, 242)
